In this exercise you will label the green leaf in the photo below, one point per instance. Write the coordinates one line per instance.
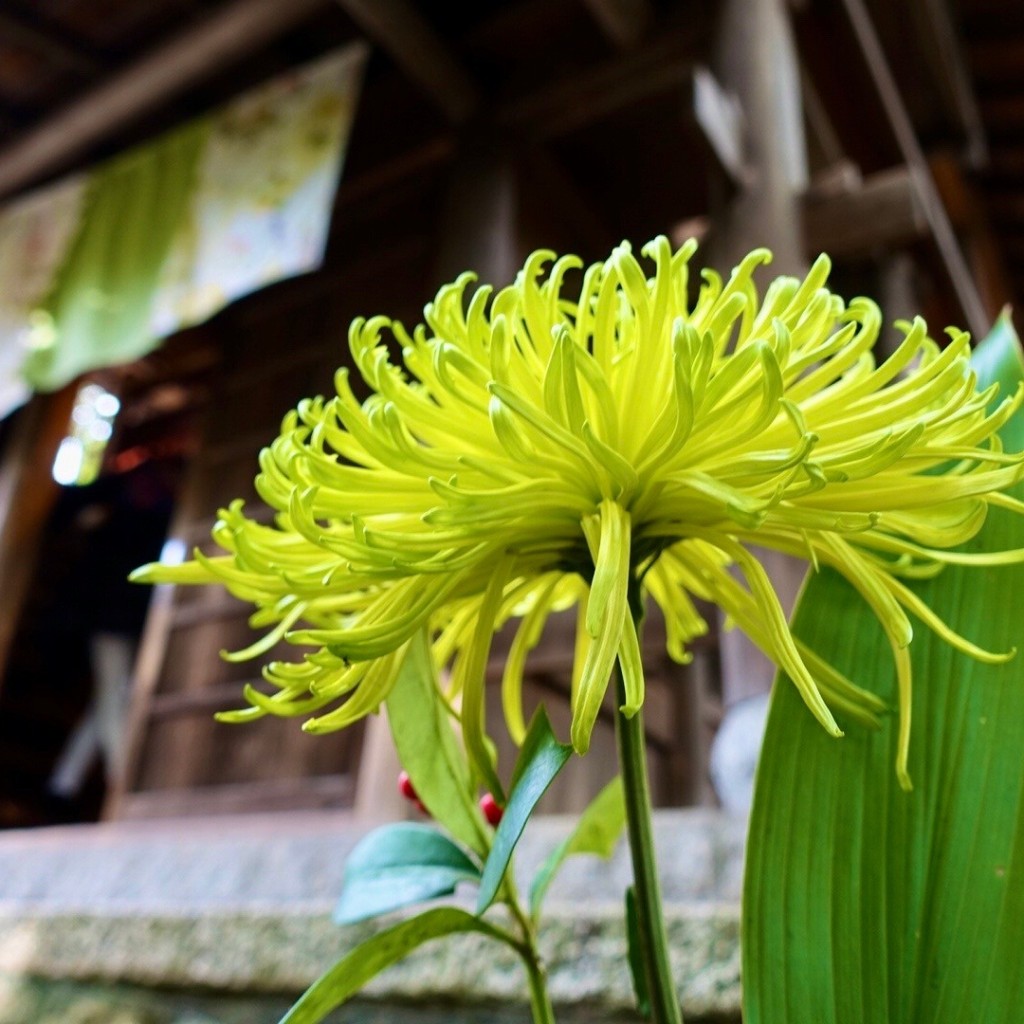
(865, 903)
(368, 959)
(430, 752)
(540, 760)
(596, 832)
(397, 865)
(635, 956)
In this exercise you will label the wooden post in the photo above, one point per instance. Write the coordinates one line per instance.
(27, 495)
(477, 230)
(755, 60)
(898, 298)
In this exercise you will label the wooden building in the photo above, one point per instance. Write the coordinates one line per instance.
(890, 135)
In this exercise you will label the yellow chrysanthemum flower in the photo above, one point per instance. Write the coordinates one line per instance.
(534, 451)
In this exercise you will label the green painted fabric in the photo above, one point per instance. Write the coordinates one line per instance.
(98, 312)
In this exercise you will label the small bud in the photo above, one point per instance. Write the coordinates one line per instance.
(405, 787)
(492, 812)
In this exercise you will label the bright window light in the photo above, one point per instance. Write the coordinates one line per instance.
(80, 454)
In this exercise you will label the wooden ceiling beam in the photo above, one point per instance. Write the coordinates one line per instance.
(420, 52)
(883, 212)
(229, 34)
(624, 22)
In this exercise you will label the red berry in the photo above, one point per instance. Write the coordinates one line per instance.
(405, 787)
(492, 812)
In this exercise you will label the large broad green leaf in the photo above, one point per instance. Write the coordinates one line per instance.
(398, 865)
(540, 759)
(865, 904)
(596, 832)
(429, 750)
(352, 972)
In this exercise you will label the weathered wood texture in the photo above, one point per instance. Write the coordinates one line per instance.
(282, 346)
(230, 33)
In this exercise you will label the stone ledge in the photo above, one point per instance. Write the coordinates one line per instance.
(282, 953)
(244, 907)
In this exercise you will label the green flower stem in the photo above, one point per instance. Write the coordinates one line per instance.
(632, 747)
(540, 1002)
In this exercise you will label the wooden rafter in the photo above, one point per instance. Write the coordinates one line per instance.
(402, 32)
(227, 35)
(622, 21)
(884, 211)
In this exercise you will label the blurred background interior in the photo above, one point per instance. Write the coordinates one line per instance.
(197, 196)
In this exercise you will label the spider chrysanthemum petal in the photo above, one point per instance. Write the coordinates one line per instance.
(534, 450)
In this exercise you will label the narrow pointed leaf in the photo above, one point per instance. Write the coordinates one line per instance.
(597, 832)
(429, 750)
(540, 760)
(398, 865)
(866, 903)
(353, 971)
(635, 956)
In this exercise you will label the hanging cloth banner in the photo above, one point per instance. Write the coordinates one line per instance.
(98, 311)
(96, 271)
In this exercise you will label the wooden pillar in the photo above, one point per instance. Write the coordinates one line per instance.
(898, 298)
(755, 59)
(477, 230)
(478, 224)
(27, 495)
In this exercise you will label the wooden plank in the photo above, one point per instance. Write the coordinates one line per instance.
(145, 681)
(906, 138)
(238, 798)
(885, 211)
(224, 607)
(624, 22)
(206, 701)
(227, 35)
(403, 33)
